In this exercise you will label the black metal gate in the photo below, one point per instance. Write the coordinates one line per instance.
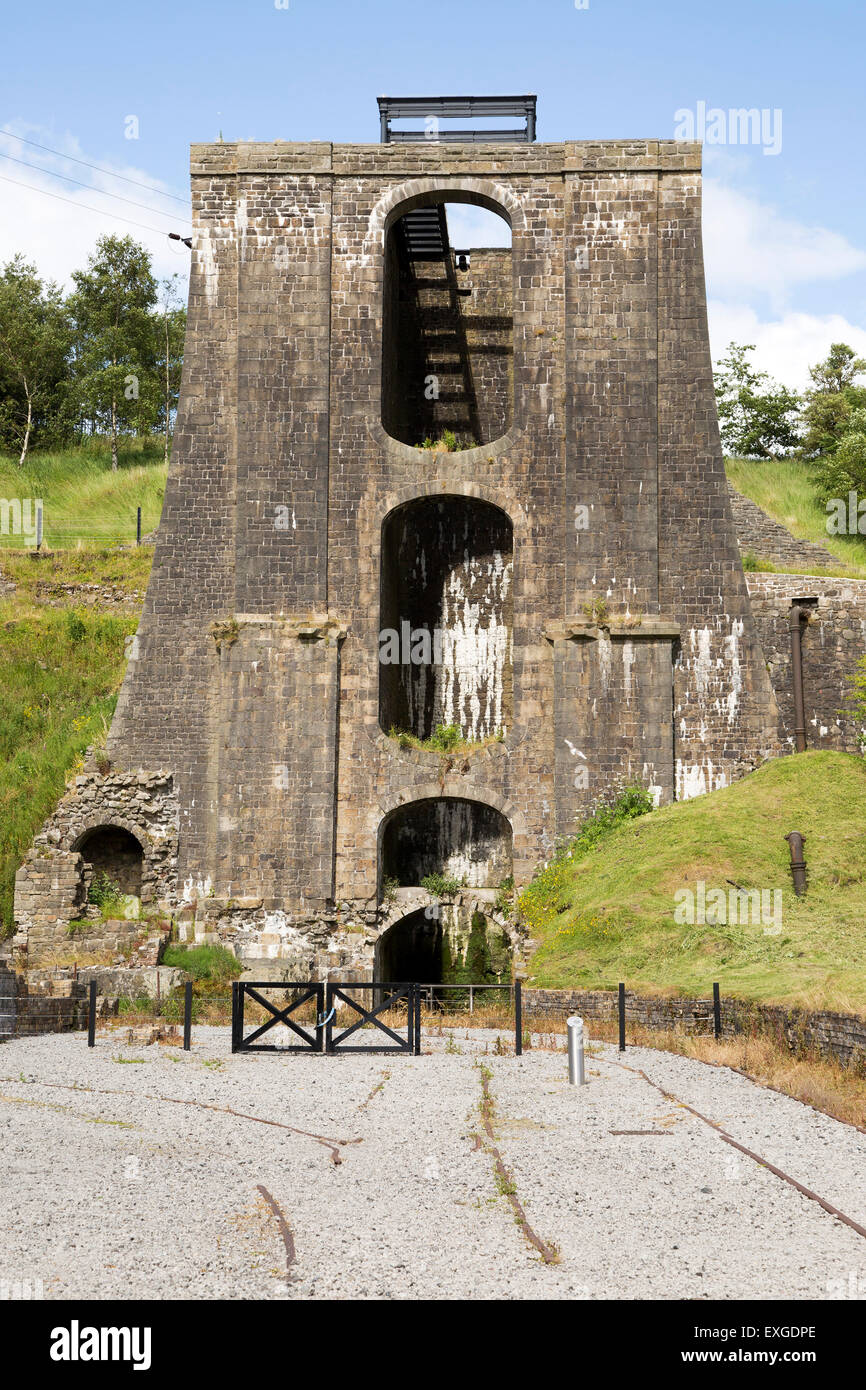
(392, 994)
(311, 1036)
(322, 1036)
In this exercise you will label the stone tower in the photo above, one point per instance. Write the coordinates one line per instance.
(565, 587)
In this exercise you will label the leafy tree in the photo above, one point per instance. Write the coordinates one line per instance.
(111, 307)
(757, 417)
(171, 328)
(833, 396)
(843, 470)
(35, 340)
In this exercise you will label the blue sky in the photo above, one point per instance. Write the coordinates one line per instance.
(784, 233)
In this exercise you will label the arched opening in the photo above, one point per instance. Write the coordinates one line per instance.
(113, 854)
(466, 843)
(446, 618)
(448, 943)
(447, 324)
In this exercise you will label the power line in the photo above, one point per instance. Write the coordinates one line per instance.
(102, 191)
(98, 167)
(160, 231)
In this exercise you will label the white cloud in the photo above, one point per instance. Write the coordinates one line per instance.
(785, 347)
(756, 261)
(750, 250)
(58, 236)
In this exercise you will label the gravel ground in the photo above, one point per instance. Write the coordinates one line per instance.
(120, 1183)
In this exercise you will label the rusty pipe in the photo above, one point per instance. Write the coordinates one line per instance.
(797, 618)
(798, 863)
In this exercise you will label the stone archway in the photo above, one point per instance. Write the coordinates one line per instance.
(115, 853)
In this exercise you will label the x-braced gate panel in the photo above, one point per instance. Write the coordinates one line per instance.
(310, 1035)
(323, 1035)
(393, 995)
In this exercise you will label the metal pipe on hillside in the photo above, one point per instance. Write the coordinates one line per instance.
(798, 617)
(798, 863)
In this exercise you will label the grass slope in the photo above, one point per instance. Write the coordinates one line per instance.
(609, 914)
(786, 490)
(61, 669)
(84, 502)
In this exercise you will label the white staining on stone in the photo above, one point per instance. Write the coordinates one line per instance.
(203, 250)
(696, 779)
(627, 664)
(701, 662)
(195, 888)
(605, 659)
(735, 677)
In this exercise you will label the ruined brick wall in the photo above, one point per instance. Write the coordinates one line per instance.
(255, 676)
(832, 642)
(51, 886)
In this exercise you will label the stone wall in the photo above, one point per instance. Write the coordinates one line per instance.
(833, 641)
(839, 1036)
(758, 534)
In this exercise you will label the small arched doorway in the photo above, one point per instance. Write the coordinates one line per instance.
(113, 854)
(411, 950)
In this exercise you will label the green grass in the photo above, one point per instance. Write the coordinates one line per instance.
(214, 964)
(607, 914)
(84, 502)
(61, 668)
(786, 489)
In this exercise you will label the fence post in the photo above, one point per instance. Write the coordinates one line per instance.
(39, 527)
(622, 1018)
(138, 526)
(717, 1012)
(518, 1019)
(91, 1016)
(187, 1014)
(417, 1020)
(235, 1013)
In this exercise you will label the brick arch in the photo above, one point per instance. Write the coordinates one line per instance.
(416, 193)
(450, 788)
(108, 822)
(505, 502)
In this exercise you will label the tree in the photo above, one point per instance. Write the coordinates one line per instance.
(832, 398)
(111, 307)
(35, 343)
(843, 469)
(171, 327)
(757, 417)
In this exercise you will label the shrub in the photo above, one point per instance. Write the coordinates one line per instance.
(213, 963)
(441, 886)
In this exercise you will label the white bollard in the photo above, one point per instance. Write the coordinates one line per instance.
(576, 1072)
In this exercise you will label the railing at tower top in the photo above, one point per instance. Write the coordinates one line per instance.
(432, 109)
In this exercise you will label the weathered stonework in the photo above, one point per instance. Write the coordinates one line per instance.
(759, 535)
(51, 886)
(833, 640)
(611, 611)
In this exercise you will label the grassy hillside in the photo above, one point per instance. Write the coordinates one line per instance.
(84, 502)
(61, 665)
(608, 914)
(786, 490)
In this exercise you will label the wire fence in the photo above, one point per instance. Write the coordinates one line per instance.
(39, 532)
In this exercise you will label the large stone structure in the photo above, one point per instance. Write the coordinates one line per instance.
(567, 590)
